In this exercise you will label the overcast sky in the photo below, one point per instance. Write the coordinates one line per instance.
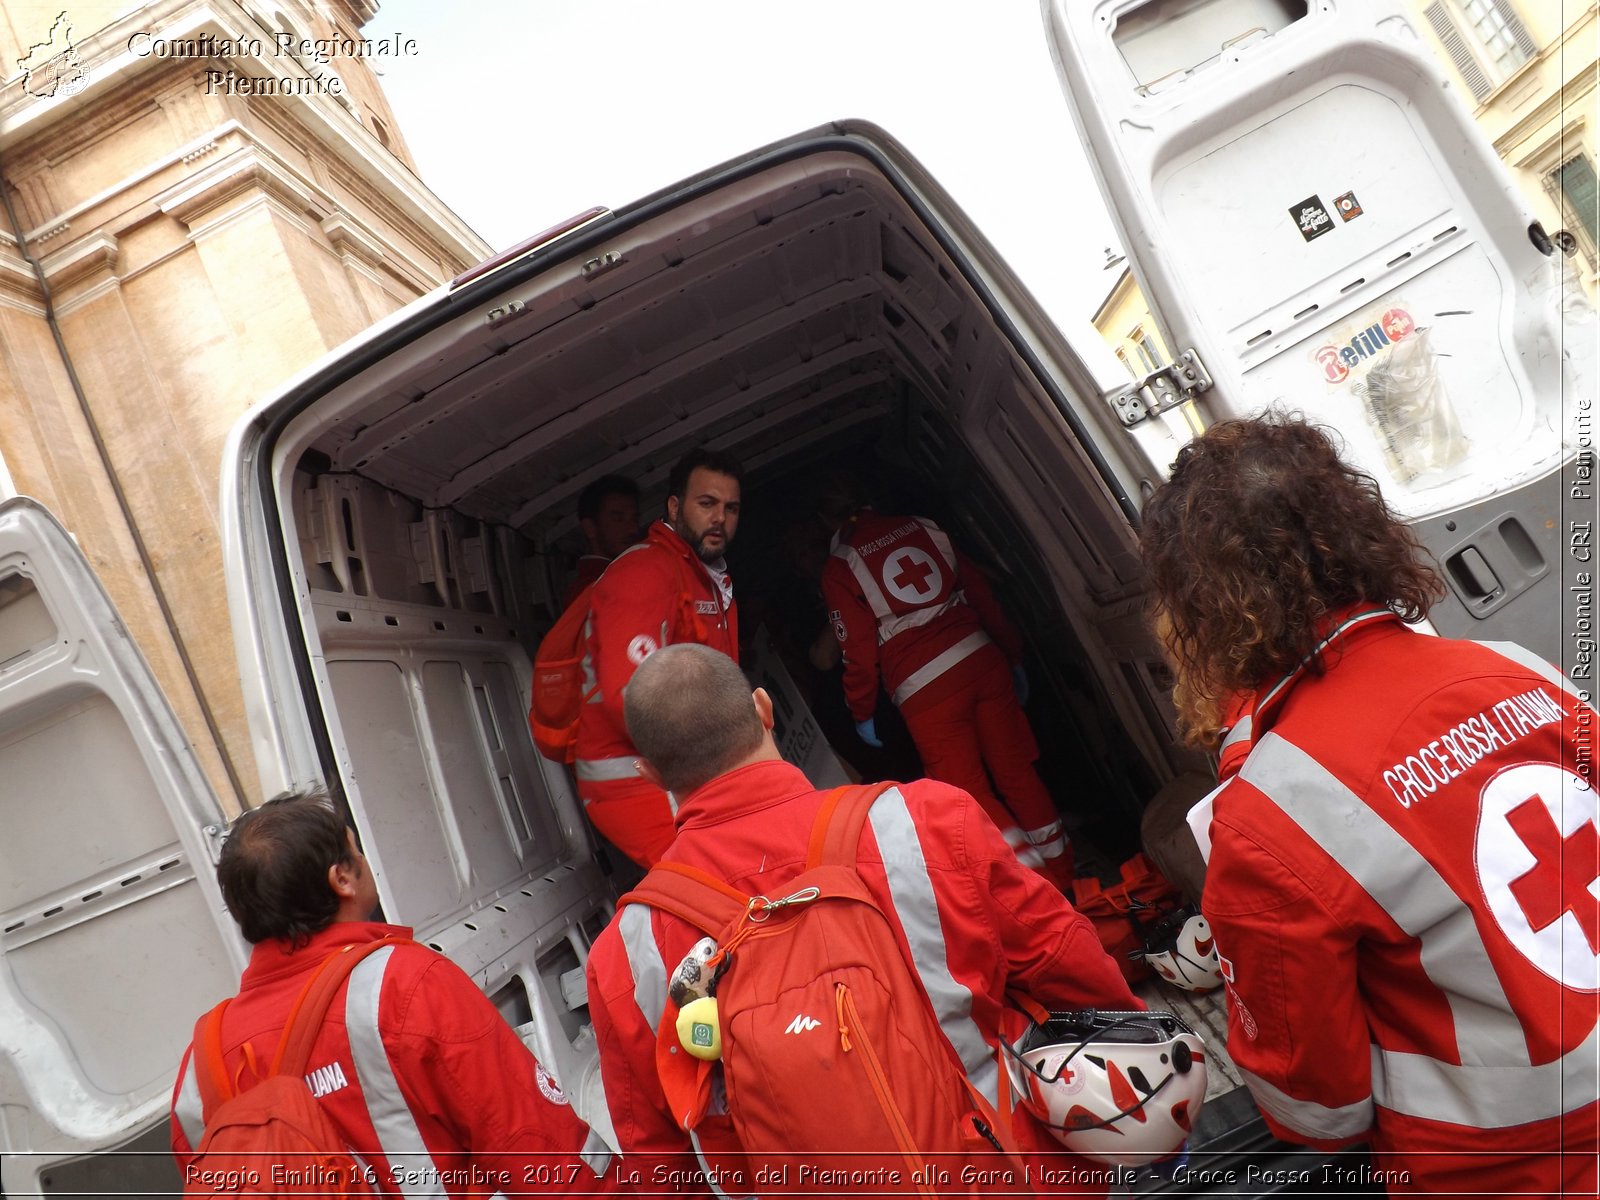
(523, 112)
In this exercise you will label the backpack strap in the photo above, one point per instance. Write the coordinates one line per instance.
(836, 834)
(205, 1057)
(311, 1006)
(693, 895)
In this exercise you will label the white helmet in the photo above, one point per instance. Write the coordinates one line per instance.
(1182, 951)
(1118, 1087)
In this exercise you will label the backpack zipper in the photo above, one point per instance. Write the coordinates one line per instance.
(849, 1017)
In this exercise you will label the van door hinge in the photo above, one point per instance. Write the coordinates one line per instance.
(215, 835)
(1164, 388)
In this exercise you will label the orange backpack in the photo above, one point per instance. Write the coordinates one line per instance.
(558, 695)
(836, 1074)
(274, 1139)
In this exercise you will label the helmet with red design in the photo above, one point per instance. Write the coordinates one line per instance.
(1117, 1087)
(1182, 951)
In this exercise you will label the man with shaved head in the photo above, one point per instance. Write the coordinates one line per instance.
(745, 816)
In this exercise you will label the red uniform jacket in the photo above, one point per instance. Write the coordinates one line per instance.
(411, 1040)
(906, 605)
(653, 594)
(1402, 889)
(970, 919)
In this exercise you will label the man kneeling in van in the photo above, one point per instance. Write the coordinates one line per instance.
(419, 1075)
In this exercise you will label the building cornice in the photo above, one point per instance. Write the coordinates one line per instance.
(111, 65)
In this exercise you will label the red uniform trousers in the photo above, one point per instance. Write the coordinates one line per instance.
(634, 815)
(969, 728)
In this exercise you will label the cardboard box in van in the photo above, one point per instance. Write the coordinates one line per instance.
(399, 519)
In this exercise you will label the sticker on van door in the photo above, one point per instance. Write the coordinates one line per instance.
(1382, 359)
(1311, 218)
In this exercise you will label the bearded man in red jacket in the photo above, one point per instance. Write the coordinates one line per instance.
(672, 587)
(1404, 852)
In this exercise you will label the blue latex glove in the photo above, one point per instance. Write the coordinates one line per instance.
(1019, 680)
(867, 731)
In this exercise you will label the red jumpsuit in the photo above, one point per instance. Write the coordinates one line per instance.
(653, 594)
(969, 918)
(1403, 889)
(416, 1068)
(907, 607)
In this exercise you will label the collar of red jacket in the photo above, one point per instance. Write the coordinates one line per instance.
(1249, 715)
(273, 959)
(743, 790)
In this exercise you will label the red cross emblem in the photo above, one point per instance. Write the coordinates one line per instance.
(913, 576)
(1565, 868)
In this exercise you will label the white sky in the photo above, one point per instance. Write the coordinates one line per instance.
(520, 114)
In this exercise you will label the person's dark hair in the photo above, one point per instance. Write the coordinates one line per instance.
(274, 867)
(1260, 533)
(719, 461)
(596, 494)
(689, 713)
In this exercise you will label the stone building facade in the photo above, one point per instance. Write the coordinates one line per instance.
(201, 199)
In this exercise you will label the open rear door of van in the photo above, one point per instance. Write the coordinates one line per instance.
(1318, 225)
(113, 937)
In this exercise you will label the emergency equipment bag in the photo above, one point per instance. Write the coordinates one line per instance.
(831, 1059)
(1123, 913)
(273, 1138)
(558, 695)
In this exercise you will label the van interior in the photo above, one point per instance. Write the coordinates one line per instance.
(804, 312)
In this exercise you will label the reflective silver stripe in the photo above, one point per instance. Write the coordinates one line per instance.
(941, 542)
(1527, 658)
(1407, 887)
(1239, 733)
(711, 1176)
(918, 910)
(396, 1129)
(938, 665)
(1306, 1117)
(644, 959)
(1018, 841)
(1485, 1097)
(1050, 841)
(892, 626)
(596, 1154)
(188, 1108)
(597, 769)
(870, 591)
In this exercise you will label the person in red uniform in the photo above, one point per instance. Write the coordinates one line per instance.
(909, 609)
(1404, 853)
(671, 587)
(608, 514)
(970, 919)
(414, 1065)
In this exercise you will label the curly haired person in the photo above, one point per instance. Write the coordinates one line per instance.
(1403, 853)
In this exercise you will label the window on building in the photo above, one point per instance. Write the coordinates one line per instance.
(1485, 39)
(1122, 357)
(1577, 194)
(1147, 352)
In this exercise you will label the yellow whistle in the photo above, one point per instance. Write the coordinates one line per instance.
(698, 1029)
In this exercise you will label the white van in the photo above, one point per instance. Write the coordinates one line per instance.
(1315, 221)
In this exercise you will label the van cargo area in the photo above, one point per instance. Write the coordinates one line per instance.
(804, 310)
